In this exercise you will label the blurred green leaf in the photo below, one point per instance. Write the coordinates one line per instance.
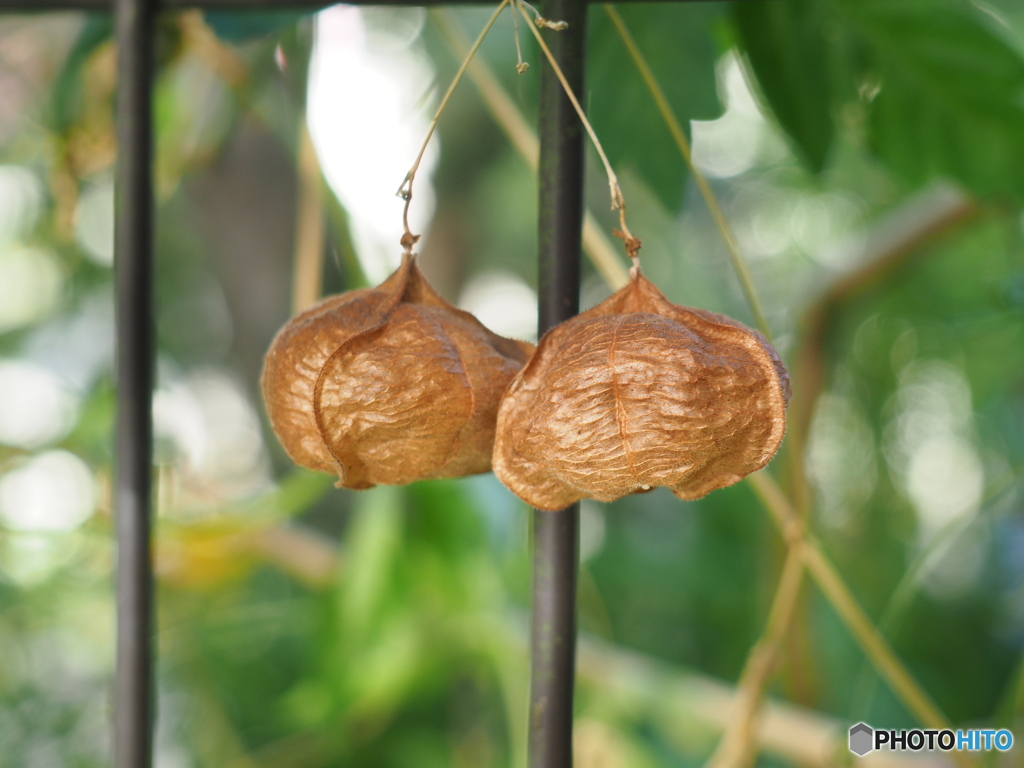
(677, 41)
(952, 94)
(67, 94)
(296, 493)
(942, 91)
(373, 543)
(787, 48)
(242, 27)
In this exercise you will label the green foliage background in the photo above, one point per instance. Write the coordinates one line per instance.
(301, 625)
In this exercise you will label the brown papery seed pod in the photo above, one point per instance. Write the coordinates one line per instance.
(639, 392)
(388, 385)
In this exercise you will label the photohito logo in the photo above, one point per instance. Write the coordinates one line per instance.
(865, 739)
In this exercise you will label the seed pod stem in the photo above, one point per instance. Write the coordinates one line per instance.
(738, 264)
(521, 66)
(405, 188)
(618, 201)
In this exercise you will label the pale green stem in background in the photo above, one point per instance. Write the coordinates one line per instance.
(831, 584)
(599, 249)
(684, 148)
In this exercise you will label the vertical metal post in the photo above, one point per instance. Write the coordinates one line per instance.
(133, 696)
(556, 534)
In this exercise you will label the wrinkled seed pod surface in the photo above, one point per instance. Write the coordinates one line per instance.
(388, 385)
(639, 392)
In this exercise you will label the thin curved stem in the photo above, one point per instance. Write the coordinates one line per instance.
(405, 188)
(738, 264)
(308, 262)
(871, 641)
(521, 66)
(618, 202)
(596, 244)
(738, 746)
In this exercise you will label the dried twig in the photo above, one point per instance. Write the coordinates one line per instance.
(737, 749)
(557, 26)
(682, 704)
(832, 585)
(919, 220)
(521, 66)
(789, 521)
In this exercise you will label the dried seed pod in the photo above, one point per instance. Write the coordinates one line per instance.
(639, 392)
(388, 385)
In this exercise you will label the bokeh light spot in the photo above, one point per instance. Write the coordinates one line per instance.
(31, 284)
(36, 407)
(54, 491)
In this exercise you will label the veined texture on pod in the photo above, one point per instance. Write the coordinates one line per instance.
(639, 392)
(388, 385)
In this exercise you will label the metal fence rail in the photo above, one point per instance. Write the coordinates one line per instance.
(303, 6)
(556, 534)
(136, 346)
(561, 212)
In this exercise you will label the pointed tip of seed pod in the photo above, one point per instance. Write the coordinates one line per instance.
(408, 241)
(633, 244)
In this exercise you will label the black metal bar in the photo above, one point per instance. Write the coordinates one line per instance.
(556, 534)
(31, 6)
(133, 698)
(553, 637)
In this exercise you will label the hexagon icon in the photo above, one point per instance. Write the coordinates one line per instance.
(862, 737)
